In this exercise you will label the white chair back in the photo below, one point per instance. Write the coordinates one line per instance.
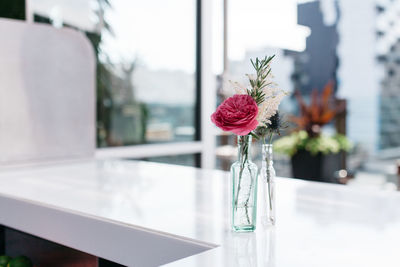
(47, 94)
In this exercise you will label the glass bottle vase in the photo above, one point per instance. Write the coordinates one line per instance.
(244, 188)
(268, 182)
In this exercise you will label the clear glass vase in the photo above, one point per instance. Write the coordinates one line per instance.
(268, 179)
(244, 188)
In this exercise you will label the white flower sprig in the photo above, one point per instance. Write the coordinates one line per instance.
(273, 97)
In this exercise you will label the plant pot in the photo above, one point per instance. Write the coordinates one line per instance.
(319, 167)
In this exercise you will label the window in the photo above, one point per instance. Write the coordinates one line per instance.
(146, 65)
(148, 70)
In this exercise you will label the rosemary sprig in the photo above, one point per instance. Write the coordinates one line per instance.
(263, 70)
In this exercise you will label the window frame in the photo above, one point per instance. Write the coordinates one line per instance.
(204, 143)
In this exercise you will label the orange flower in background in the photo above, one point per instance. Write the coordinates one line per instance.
(320, 112)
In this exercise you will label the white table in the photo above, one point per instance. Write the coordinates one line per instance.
(146, 214)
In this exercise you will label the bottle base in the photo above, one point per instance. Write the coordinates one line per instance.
(243, 229)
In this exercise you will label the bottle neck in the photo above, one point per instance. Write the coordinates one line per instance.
(244, 147)
(267, 152)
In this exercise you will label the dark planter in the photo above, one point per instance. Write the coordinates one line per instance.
(319, 167)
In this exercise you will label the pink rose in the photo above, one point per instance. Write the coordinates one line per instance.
(237, 114)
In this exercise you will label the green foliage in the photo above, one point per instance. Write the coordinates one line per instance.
(263, 70)
(300, 140)
(344, 142)
(19, 261)
(4, 259)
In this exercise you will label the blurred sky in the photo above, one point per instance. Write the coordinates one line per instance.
(254, 24)
(161, 33)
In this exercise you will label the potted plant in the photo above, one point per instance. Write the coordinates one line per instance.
(314, 155)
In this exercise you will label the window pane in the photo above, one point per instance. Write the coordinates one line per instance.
(146, 83)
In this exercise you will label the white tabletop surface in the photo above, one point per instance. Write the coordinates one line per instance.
(317, 224)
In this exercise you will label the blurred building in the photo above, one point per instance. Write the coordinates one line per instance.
(388, 41)
(368, 72)
(317, 64)
(358, 73)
